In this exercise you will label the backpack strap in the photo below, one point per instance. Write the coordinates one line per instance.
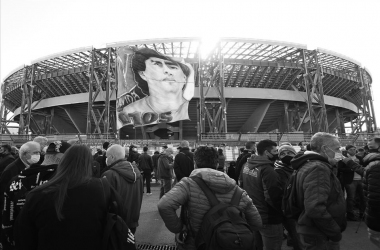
(206, 190)
(237, 196)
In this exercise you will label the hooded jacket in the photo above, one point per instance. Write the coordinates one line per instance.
(284, 172)
(128, 182)
(263, 185)
(321, 197)
(188, 192)
(371, 188)
(183, 163)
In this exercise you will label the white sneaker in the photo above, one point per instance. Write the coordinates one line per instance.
(148, 193)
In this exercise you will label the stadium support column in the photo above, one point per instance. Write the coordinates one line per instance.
(314, 90)
(21, 129)
(30, 98)
(89, 107)
(107, 101)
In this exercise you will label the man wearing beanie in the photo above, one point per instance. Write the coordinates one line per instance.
(26, 181)
(183, 162)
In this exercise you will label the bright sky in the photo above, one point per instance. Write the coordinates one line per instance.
(31, 29)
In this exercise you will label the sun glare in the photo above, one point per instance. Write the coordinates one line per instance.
(208, 44)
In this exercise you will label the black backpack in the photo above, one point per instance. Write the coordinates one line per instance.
(289, 200)
(116, 233)
(224, 226)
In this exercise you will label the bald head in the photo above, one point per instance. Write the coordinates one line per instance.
(115, 153)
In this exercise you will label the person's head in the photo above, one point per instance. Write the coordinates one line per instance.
(14, 151)
(184, 144)
(74, 169)
(54, 152)
(205, 157)
(267, 148)
(145, 149)
(168, 151)
(250, 145)
(30, 152)
(351, 150)
(106, 145)
(42, 141)
(302, 144)
(156, 152)
(132, 148)
(327, 145)
(241, 150)
(286, 153)
(220, 151)
(114, 153)
(154, 72)
(5, 150)
(374, 145)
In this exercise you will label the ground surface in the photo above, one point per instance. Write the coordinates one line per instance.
(152, 230)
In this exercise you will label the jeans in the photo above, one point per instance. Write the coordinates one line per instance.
(146, 178)
(166, 185)
(272, 236)
(374, 237)
(318, 242)
(351, 189)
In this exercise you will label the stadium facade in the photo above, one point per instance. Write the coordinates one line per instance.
(242, 86)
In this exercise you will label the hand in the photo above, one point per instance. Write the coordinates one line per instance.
(181, 237)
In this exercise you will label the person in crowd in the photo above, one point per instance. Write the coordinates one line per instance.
(284, 169)
(68, 211)
(189, 193)
(354, 188)
(302, 146)
(22, 184)
(165, 169)
(319, 196)
(133, 154)
(43, 142)
(263, 185)
(6, 157)
(250, 147)
(126, 179)
(241, 151)
(146, 166)
(183, 162)
(102, 157)
(98, 153)
(360, 155)
(221, 160)
(155, 164)
(371, 185)
(14, 152)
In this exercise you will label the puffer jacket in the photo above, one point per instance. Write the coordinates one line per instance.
(371, 188)
(263, 185)
(188, 192)
(128, 182)
(321, 197)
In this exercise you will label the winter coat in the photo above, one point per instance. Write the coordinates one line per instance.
(263, 185)
(84, 211)
(145, 163)
(188, 192)
(321, 197)
(155, 160)
(221, 161)
(371, 188)
(165, 167)
(284, 172)
(5, 161)
(133, 156)
(128, 182)
(183, 163)
(240, 164)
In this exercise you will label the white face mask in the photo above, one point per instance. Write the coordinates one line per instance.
(34, 159)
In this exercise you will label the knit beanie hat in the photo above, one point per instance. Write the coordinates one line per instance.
(286, 148)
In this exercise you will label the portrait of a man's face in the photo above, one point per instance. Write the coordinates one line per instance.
(157, 88)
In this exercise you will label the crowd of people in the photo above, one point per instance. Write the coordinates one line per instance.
(53, 194)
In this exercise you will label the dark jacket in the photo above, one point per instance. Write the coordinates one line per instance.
(165, 167)
(145, 163)
(240, 164)
(221, 161)
(15, 194)
(133, 156)
(5, 161)
(371, 188)
(321, 197)
(284, 172)
(128, 182)
(155, 160)
(84, 210)
(9, 172)
(264, 187)
(183, 163)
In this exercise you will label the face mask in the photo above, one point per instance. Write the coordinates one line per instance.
(337, 157)
(34, 159)
(287, 159)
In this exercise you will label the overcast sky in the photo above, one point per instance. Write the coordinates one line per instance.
(31, 29)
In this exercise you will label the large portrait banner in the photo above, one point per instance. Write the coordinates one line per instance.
(152, 87)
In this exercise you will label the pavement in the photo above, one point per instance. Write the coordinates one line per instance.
(152, 230)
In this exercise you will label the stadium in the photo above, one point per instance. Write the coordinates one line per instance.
(245, 89)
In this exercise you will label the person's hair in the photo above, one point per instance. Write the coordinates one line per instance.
(156, 152)
(220, 151)
(51, 159)
(250, 145)
(26, 147)
(184, 144)
(206, 157)
(40, 139)
(105, 145)
(145, 149)
(319, 139)
(300, 143)
(376, 140)
(265, 145)
(7, 147)
(74, 169)
(116, 151)
(138, 64)
(360, 149)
